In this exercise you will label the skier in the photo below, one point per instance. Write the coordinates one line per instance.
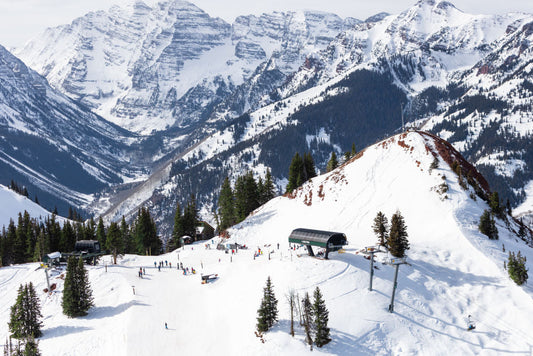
(155, 265)
(166, 327)
(470, 323)
(159, 268)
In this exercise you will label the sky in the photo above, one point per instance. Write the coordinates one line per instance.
(20, 20)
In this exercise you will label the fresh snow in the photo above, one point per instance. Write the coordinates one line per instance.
(13, 204)
(454, 271)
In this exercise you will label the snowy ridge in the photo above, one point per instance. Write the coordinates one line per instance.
(424, 45)
(454, 271)
(13, 204)
(138, 61)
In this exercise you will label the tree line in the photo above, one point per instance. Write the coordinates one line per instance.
(234, 204)
(185, 224)
(31, 238)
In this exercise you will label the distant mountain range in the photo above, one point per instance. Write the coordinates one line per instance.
(206, 99)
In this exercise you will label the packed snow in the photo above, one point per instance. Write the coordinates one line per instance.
(453, 272)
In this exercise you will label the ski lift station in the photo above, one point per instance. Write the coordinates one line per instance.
(331, 241)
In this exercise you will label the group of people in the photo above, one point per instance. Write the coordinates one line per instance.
(162, 264)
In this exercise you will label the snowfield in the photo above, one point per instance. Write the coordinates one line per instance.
(453, 271)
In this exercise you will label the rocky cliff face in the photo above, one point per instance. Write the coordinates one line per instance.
(56, 148)
(423, 46)
(173, 63)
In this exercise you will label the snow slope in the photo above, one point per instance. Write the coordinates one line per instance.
(13, 204)
(454, 271)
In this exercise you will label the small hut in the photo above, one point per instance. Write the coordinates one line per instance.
(331, 241)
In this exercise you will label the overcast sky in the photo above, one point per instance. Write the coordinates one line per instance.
(22, 19)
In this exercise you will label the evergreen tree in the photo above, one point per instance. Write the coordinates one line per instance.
(269, 190)
(100, 233)
(126, 236)
(77, 294)
(267, 314)
(19, 247)
(496, 207)
(307, 311)
(178, 230)
(332, 163)
(321, 318)
(9, 243)
(31, 347)
(251, 193)
(86, 295)
(89, 230)
(145, 233)
(487, 225)
(26, 314)
(309, 167)
(354, 152)
(516, 267)
(296, 170)
(398, 242)
(190, 218)
(381, 228)
(114, 242)
(68, 238)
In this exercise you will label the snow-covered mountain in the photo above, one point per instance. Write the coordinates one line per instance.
(422, 46)
(486, 114)
(224, 99)
(173, 63)
(453, 271)
(57, 148)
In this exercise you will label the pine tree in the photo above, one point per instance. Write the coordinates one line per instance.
(269, 191)
(126, 236)
(381, 228)
(267, 314)
(90, 230)
(321, 318)
(516, 267)
(114, 242)
(68, 238)
(77, 294)
(100, 233)
(190, 218)
(309, 167)
(19, 247)
(296, 170)
(86, 295)
(307, 311)
(145, 233)
(354, 152)
(26, 314)
(31, 347)
(398, 242)
(332, 163)
(177, 231)
(487, 225)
